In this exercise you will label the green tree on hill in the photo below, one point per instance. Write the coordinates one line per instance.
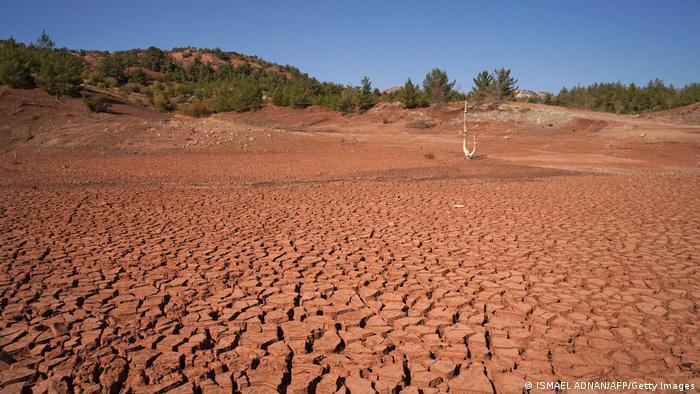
(366, 98)
(16, 65)
(346, 102)
(244, 95)
(409, 94)
(198, 85)
(60, 73)
(619, 98)
(498, 85)
(438, 87)
(278, 97)
(505, 84)
(44, 41)
(688, 95)
(112, 67)
(138, 76)
(299, 96)
(198, 71)
(484, 86)
(153, 58)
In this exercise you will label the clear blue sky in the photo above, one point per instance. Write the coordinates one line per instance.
(547, 44)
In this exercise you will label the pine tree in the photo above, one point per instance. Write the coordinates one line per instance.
(484, 86)
(279, 97)
(299, 96)
(366, 98)
(44, 41)
(245, 95)
(139, 77)
(111, 66)
(505, 84)
(60, 73)
(438, 87)
(548, 99)
(153, 58)
(409, 95)
(15, 65)
(346, 103)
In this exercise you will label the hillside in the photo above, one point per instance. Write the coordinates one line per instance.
(689, 114)
(152, 60)
(191, 81)
(199, 82)
(528, 133)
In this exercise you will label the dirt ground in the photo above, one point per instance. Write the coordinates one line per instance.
(305, 251)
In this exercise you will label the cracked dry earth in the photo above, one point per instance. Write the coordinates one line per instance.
(350, 286)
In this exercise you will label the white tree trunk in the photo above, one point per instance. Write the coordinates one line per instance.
(467, 154)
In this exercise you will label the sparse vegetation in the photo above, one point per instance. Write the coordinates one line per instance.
(96, 103)
(420, 124)
(195, 109)
(160, 101)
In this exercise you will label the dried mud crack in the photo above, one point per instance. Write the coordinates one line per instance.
(358, 286)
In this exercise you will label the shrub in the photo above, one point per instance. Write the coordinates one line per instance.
(110, 82)
(97, 103)
(111, 67)
(153, 58)
(279, 97)
(299, 99)
(138, 76)
(161, 102)
(420, 124)
(346, 103)
(297, 95)
(244, 96)
(195, 109)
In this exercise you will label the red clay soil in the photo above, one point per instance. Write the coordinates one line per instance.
(288, 254)
(689, 114)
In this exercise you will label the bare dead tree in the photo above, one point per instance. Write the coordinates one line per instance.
(467, 154)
